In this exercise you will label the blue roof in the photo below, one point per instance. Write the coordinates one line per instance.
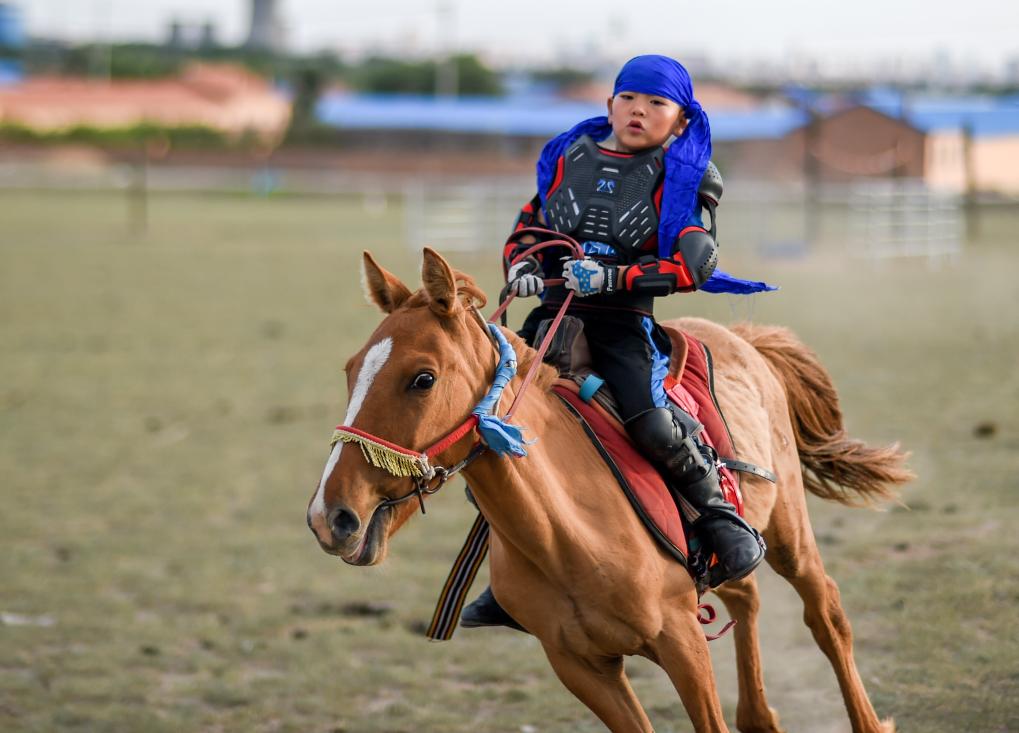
(538, 116)
(984, 115)
(763, 123)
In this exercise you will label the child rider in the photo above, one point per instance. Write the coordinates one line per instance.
(627, 187)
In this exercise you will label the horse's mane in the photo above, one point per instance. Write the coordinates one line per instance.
(546, 373)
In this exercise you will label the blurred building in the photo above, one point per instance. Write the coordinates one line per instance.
(267, 33)
(970, 141)
(952, 143)
(12, 32)
(223, 97)
(958, 144)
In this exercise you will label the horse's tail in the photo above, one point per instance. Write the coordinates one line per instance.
(835, 466)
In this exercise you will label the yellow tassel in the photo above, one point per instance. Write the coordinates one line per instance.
(389, 460)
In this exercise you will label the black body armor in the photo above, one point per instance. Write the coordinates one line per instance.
(606, 198)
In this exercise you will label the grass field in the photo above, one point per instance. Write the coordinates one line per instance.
(166, 402)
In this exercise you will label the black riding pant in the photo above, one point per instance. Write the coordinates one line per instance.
(629, 350)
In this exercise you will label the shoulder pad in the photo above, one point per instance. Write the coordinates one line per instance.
(711, 184)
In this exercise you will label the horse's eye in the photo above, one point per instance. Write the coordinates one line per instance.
(424, 380)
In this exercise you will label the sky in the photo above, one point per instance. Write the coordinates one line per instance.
(977, 32)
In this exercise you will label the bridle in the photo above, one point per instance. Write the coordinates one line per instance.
(427, 478)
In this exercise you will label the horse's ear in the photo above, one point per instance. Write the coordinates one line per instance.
(440, 283)
(383, 288)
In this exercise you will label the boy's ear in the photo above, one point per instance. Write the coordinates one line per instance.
(680, 127)
(440, 283)
(382, 288)
(608, 108)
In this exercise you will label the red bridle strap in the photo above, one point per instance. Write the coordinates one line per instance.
(450, 440)
(430, 452)
(376, 439)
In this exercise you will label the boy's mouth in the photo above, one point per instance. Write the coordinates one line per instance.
(635, 125)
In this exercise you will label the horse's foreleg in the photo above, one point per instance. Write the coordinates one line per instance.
(602, 685)
(682, 651)
(743, 603)
(795, 556)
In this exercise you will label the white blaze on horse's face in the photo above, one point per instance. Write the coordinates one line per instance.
(374, 360)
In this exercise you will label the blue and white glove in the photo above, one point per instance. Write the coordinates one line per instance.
(589, 277)
(523, 282)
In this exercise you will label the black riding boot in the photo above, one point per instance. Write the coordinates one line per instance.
(486, 611)
(689, 467)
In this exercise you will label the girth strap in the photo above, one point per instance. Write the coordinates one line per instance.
(458, 584)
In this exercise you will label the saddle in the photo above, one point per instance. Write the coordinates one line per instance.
(690, 388)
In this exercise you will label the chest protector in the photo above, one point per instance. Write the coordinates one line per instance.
(605, 197)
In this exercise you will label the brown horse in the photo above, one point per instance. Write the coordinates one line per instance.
(569, 559)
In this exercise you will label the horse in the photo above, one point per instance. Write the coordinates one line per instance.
(570, 560)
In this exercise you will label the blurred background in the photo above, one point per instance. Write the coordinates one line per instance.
(185, 191)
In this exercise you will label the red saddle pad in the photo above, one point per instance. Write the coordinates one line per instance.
(693, 391)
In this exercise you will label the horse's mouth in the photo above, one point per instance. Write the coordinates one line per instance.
(372, 546)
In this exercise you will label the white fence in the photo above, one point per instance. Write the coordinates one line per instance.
(892, 218)
(876, 219)
(462, 217)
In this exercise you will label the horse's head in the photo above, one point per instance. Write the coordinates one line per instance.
(417, 378)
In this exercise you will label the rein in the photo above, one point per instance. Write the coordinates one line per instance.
(401, 462)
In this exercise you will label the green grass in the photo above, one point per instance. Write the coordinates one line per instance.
(165, 406)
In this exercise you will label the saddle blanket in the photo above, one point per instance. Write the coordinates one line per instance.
(690, 387)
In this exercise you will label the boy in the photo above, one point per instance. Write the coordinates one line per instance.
(632, 199)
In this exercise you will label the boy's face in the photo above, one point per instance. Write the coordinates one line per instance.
(640, 121)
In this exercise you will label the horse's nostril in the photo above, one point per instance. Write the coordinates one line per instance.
(343, 523)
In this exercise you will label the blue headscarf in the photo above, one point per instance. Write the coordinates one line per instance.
(685, 161)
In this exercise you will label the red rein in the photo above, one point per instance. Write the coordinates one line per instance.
(708, 617)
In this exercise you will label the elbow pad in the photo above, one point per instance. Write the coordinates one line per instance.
(699, 252)
(693, 260)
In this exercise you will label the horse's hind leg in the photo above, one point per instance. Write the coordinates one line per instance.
(793, 554)
(743, 603)
(601, 685)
